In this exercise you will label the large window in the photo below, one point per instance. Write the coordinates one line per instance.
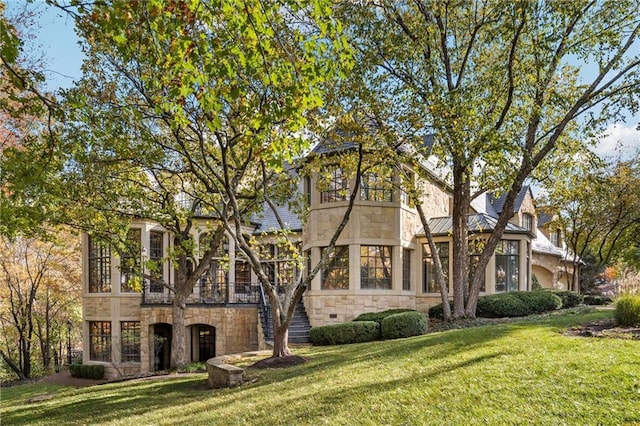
(475, 250)
(213, 282)
(527, 221)
(243, 277)
(335, 276)
(156, 256)
(375, 267)
(376, 187)
(130, 262)
(337, 187)
(429, 277)
(100, 341)
(99, 267)
(507, 261)
(406, 269)
(130, 341)
(556, 238)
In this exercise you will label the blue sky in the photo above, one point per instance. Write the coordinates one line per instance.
(63, 57)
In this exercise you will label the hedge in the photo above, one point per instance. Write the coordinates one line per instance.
(405, 324)
(570, 299)
(627, 311)
(345, 333)
(379, 316)
(517, 304)
(594, 299)
(83, 371)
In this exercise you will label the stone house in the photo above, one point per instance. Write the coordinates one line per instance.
(381, 261)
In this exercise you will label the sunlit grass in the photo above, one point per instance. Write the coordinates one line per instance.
(521, 373)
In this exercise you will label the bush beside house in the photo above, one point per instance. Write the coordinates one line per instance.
(405, 324)
(370, 326)
(512, 304)
(83, 371)
(345, 333)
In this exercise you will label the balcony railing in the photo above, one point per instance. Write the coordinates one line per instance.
(208, 294)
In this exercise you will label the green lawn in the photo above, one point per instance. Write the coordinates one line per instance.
(518, 373)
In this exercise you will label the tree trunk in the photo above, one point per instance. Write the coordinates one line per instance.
(16, 369)
(280, 341)
(178, 332)
(461, 201)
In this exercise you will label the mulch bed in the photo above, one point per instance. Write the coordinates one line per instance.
(604, 328)
(282, 362)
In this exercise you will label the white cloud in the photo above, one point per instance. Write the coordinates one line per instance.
(621, 140)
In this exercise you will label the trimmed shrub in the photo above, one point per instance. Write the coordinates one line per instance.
(628, 310)
(596, 300)
(517, 304)
(436, 311)
(83, 371)
(345, 333)
(570, 299)
(501, 305)
(539, 302)
(379, 316)
(405, 324)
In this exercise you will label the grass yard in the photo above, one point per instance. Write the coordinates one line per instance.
(519, 373)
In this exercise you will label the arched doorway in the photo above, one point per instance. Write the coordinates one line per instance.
(203, 342)
(161, 347)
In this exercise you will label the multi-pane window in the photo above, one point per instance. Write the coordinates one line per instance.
(475, 250)
(99, 267)
(527, 221)
(100, 341)
(375, 187)
(375, 267)
(406, 269)
(242, 277)
(337, 187)
(556, 238)
(156, 256)
(130, 341)
(507, 261)
(430, 280)
(130, 262)
(213, 282)
(335, 276)
(407, 183)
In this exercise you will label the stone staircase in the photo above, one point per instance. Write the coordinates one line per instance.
(298, 329)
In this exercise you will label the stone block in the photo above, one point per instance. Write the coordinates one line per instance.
(223, 375)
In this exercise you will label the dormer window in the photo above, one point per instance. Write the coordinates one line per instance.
(337, 187)
(527, 221)
(556, 238)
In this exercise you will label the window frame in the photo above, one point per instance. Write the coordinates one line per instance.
(527, 221)
(507, 258)
(130, 272)
(429, 283)
(374, 187)
(99, 263)
(379, 260)
(100, 341)
(130, 341)
(338, 185)
(156, 256)
(406, 268)
(335, 276)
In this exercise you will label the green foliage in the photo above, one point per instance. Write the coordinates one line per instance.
(436, 310)
(345, 333)
(596, 300)
(517, 304)
(84, 371)
(627, 311)
(379, 316)
(405, 324)
(535, 284)
(570, 299)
